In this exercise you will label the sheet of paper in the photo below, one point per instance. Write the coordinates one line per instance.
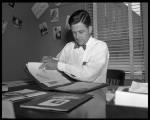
(25, 91)
(48, 77)
(36, 94)
(21, 94)
(139, 87)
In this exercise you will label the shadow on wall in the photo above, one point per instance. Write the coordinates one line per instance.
(68, 36)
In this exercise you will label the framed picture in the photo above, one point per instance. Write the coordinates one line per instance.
(57, 33)
(54, 14)
(43, 28)
(17, 22)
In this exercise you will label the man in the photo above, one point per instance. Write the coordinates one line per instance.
(85, 59)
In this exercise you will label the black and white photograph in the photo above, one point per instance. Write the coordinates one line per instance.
(54, 15)
(43, 28)
(85, 60)
(17, 22)
(57, 32)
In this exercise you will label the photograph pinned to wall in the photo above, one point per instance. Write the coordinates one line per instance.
(39, 8)
(58, 3)
(17, 22)
(57, 33)
(4, 25)
(67, 26)
(11, 4)
(43, 28)
(54, 15)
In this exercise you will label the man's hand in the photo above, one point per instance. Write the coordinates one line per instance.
(49, 63)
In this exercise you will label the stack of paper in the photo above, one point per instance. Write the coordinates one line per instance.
(132, 96)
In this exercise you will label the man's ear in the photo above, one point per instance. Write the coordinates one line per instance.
(90, 29)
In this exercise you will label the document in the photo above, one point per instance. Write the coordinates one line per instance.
(50, 78)
(21, 94)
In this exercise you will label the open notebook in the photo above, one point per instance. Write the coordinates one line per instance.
(58, 81)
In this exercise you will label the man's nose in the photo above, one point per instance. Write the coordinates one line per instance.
(77, 36)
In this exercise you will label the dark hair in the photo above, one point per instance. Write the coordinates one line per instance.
(80, 16)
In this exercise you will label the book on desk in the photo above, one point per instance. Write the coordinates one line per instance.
(57, 101)
(58, 81)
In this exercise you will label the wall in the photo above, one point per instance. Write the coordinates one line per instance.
(22, 45)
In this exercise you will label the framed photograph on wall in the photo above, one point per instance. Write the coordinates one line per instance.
(43, 28)
(17, 22)
(54, 15)
(57, 33)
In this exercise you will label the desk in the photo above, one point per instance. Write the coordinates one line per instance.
(94, 108)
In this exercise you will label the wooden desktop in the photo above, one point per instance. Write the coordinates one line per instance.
(97, 107)
(94, 108)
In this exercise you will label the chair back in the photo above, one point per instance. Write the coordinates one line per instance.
(115, 77)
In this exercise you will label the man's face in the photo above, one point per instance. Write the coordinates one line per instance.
(81, 33)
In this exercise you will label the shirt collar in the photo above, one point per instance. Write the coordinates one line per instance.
(89, 42)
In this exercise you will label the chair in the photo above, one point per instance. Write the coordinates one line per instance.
(115, 77)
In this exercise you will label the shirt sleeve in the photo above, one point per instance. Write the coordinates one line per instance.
(90, 68)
